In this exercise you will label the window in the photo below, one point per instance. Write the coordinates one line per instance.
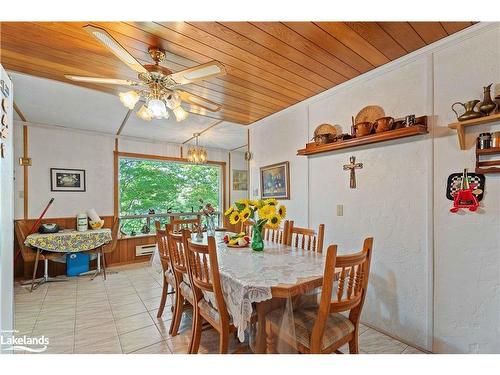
(164, 185)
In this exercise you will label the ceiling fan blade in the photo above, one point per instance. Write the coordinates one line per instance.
(107, 81)
(199, 101)
(118, 50)
(198, 73)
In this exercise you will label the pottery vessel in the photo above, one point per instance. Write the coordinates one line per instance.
(363, 128)
(383, 124)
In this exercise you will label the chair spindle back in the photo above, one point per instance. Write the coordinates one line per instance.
(306, 238)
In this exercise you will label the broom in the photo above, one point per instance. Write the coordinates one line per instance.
(35, 226)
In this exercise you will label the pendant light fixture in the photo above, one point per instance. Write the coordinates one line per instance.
(197, 154)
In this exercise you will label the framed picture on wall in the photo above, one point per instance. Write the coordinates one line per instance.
(240, 179)
(67, 179)
(275, 181)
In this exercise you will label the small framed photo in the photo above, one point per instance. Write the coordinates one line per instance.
(240, 179)
(275, 181)
(67, 179)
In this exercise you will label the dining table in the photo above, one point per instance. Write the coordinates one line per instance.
(258, 281)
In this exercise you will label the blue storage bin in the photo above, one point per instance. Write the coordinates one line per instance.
(77, 263)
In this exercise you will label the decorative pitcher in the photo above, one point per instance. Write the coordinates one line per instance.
(487, 105)
(469, 113)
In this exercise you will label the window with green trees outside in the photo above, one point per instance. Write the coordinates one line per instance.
(162, 186)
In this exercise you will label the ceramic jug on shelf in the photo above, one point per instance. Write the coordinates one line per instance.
(487, 106)
(469, 113)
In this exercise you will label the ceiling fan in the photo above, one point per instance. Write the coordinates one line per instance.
(157, 86)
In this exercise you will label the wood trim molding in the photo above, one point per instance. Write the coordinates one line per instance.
(229, 177)
(115, 180)
(25, 172)
(19, 112)
(203, 131)
(124, 122)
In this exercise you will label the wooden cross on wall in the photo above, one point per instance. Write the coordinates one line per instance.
(352, 166)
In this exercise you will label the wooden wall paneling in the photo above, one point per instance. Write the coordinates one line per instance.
(297, 40)
(270, 65)
(247, 44)
(429, 31)
(230, 62)
(453, 27)
(376, 36)
(404, 34)
(354, 41)
(336, 71)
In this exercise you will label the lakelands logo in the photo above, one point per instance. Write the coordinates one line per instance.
(10, 341)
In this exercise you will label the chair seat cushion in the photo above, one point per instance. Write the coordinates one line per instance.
(209, 310)
(186, 291)
(170, 277)
(337, 326)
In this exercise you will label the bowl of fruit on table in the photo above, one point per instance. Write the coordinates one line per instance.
(237, 240)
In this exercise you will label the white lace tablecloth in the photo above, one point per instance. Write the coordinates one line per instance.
(247, 276)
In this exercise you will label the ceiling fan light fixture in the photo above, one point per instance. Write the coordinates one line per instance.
(144, 113)
(129, 98)
(157, 108)
(180, 113)
(173, 100)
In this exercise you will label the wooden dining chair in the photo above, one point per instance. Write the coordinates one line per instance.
(29, 255)
(278, 235)
(306, 238)
(323, 329)
(205, 278)
(168, 274)
(247, 227)
(183, 290)
(178, 225)
(110, 247)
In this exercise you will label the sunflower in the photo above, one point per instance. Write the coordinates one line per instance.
(254, 202)
(245, 214)
(271, 202)
(282, 211)
(234, 217)
(266, 211)
(274, 221)
(242, 204)
(229, 211)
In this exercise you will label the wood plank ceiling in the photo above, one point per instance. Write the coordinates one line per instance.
(270, 65)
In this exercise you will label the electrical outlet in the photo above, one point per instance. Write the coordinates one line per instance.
(340, 210)
(21, 194)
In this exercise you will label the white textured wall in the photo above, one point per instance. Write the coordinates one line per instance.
(400, 199)
(277, 139)
(467, 246)
(52, 147)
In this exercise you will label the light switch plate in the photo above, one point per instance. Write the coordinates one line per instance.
(340, 210)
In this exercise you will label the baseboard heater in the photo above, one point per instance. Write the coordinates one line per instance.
(142, 250)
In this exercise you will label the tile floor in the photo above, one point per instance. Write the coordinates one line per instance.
(119, 316)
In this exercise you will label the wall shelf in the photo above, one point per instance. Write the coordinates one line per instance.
(312, 148)
(488, 166)
(460, 126)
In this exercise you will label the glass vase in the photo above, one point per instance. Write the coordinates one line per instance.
(257, 241)
(210, 226)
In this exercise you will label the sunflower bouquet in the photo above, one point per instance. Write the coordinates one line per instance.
(262, 212)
